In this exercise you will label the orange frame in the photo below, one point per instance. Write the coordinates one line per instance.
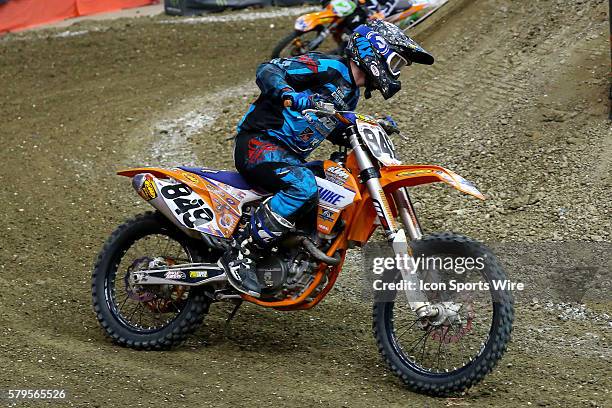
(360, 224)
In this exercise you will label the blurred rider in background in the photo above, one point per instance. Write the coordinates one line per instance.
(274, 138)
(388, 7)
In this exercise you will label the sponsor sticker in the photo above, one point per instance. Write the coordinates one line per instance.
(367, 119)
(148, 191)
(413, 172)
(336, 175)
(301, 24)
(338, 172)
(306, 134)
(329, 196)
(175, 275)
(226, 220)
(327, 215)
(191, 178)
(379, 42)
(198, 274)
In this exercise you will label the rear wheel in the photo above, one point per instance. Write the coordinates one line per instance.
(147, 316)
(446, 357)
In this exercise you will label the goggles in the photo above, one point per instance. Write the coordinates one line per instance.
(395, 63)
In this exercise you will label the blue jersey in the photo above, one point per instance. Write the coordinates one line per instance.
(315, 73)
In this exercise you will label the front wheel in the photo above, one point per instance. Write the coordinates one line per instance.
(441, 357)
(146, 316)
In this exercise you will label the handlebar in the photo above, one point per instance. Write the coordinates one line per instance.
(326, 108)
(320, 107)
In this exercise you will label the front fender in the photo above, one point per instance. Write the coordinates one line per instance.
(394, 177)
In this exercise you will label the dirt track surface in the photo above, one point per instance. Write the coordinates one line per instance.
(516, 102)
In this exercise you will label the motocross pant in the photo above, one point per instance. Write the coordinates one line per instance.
(267, 164)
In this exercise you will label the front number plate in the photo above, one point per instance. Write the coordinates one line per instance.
(378, 143)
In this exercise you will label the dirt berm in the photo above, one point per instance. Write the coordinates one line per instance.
(516, 102)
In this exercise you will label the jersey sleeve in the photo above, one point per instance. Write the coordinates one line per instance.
(296, 74)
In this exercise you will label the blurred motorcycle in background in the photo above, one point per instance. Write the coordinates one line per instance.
(338, 19)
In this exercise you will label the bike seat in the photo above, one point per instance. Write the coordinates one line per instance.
(234, 179)
(231, 178)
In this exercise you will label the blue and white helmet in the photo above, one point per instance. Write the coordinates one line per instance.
(381, 50)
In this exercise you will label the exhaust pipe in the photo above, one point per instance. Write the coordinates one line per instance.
(320, 255)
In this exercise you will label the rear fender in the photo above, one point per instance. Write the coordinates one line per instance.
(199, 207)
(309, 22)
(154, 171)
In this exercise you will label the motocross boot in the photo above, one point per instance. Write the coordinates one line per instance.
(264, 228)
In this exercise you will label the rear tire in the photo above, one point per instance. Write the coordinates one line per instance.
(105, 272)
(439, 384)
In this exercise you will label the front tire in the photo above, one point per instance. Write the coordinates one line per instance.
(190, 310)
(437, 382)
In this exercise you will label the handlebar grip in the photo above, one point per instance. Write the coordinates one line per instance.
(287, 103)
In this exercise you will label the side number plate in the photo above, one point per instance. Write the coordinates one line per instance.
(188, 207)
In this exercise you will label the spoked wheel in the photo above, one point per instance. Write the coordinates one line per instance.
(450, 353)
(146, 316)
(300, 42)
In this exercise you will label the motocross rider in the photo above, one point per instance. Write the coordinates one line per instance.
(273, 141)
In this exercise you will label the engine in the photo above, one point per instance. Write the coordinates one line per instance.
(288, 268)
(285, 271)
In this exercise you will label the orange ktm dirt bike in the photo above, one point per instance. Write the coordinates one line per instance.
(157, 275)
(339, 18)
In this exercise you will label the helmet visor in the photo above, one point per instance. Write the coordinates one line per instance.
(396, 62)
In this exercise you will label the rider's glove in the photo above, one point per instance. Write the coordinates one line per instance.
(388, 124)
(300, 100)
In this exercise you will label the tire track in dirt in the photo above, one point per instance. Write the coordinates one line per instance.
(475, 76)
(169, 142)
